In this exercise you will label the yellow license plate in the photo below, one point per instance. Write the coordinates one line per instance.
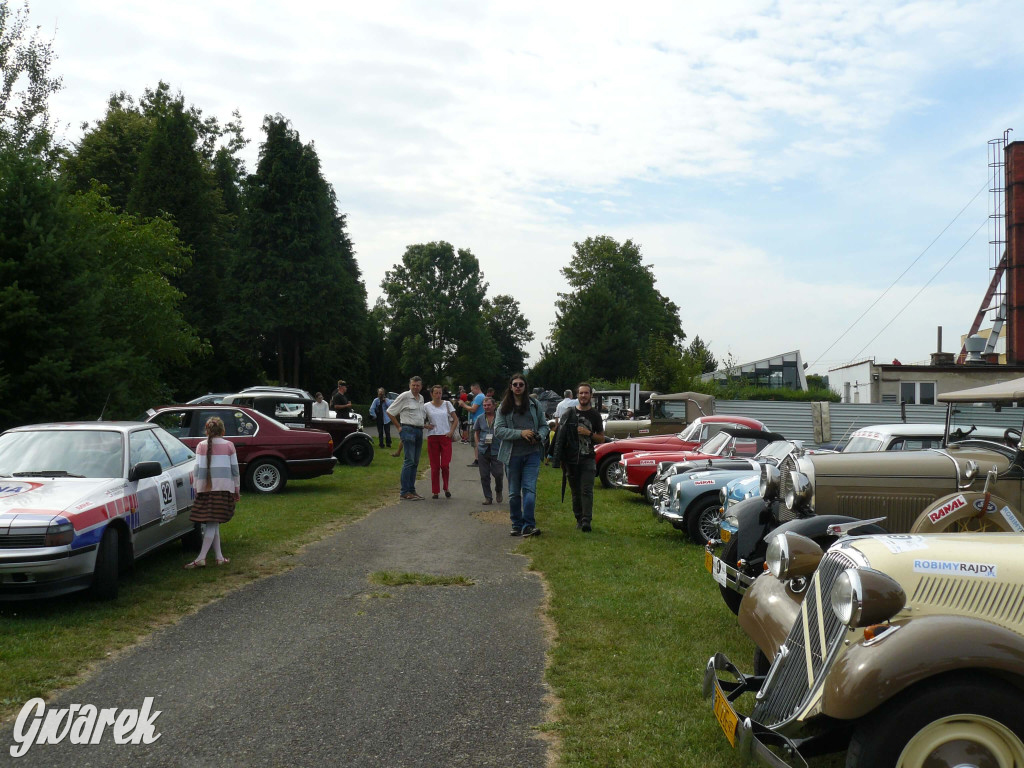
(725, 716)
(725, 535)
(709, 561)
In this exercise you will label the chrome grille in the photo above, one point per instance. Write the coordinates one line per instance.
(785, 483)
(815, 634)
(19, 541)
(659, 490)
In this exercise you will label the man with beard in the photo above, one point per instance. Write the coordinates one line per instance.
(580, 428)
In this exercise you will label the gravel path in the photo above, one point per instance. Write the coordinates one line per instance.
(317, 667)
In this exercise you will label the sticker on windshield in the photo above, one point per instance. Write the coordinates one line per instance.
(955, 568)
(1011, 518)
(14, 487)
(902, 542)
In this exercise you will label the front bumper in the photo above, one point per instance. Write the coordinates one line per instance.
(723, 573)
(749, 738)
(45, 571)
(666, 512)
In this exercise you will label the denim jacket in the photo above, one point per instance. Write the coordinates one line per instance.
(508, 434)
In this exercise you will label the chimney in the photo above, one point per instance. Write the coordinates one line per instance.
(1015, 253)
(938, 356)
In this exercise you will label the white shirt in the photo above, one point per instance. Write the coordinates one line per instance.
(408, 409)
(321, 410)
(440, 423)
(564, 406)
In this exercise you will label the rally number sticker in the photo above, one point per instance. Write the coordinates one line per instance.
(168, 509)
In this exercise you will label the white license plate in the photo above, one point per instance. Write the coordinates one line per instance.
(718, 571)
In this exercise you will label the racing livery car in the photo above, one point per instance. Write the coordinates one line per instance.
(80, 502)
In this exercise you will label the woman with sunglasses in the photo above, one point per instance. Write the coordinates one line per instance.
(523, 431)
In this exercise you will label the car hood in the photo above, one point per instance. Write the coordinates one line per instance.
(64, 496)
(928, 463)
(703, 480)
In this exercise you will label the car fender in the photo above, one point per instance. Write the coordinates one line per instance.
(815, 527)
(698, 500)
(353, 437)
(865, 677)
(951, 512)
(754, 524)
(767, 612)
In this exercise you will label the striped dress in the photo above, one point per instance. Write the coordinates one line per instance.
(217, 486)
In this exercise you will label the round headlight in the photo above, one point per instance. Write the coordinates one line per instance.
(722, 496)
(777, 556)
(769, 485)
(862, 596)
(733, 522)
(800, 490)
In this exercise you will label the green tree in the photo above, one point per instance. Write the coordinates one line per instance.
(612, 311)
(699, 353)
(304, 311)
(88, 317)
(25, 83)
(436, 296)
(510, 331)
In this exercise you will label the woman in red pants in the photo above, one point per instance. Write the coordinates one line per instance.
(443, 423)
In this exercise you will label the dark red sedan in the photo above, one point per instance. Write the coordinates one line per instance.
(269, 453)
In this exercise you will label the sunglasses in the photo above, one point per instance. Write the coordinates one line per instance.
(518, 384)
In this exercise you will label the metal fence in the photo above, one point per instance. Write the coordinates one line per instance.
(795, 420)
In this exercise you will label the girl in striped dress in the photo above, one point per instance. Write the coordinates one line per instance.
(217, 489)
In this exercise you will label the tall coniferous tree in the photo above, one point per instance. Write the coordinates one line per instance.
(305, 311)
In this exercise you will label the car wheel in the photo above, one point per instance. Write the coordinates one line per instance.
(358, 453)
(702, 521)
(604, 471)
(959, 719)
(105, 573)
(266, 476)
(731, 597)
(648, 490)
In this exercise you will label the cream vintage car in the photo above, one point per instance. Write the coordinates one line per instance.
(904, 650)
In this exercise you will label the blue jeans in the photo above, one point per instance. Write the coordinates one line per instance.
(522, 488)
(412, 443)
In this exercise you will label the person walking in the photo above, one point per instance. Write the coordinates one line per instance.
(473, 407)
(581, 427)
(487, 447)
(218, 485)
(442, 423)
(407, 415)
(379, 411)
(523, 431)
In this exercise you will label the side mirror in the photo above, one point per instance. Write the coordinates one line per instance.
(144, 469)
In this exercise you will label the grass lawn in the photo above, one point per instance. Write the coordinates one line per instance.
(49, 644)
(637, 617)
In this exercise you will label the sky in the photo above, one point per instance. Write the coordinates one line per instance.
(780, 164)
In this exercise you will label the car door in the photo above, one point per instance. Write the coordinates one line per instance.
(157, 497)
(240, 429)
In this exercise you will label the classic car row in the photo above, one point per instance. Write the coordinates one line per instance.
(885, 595)
(80, 502)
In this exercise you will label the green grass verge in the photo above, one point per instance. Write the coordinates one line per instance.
(637, 617)
(396, 579)
(49, 644)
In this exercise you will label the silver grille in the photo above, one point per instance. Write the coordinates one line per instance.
(785, 483)
(658, 490)
(815, 634)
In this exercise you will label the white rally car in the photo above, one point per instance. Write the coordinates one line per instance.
(80, 502)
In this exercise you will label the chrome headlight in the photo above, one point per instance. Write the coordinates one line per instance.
(790, 555)
(733, 522)
(769, 484)
(800, 490)
(861, 597)
(722, 496)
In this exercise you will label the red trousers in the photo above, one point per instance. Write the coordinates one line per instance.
(439, 450)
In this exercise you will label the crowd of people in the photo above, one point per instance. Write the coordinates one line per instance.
(510, 440)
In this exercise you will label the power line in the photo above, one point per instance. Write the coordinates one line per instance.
(893, 283)
(905, 306)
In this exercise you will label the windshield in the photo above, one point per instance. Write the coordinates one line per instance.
(691, 433)
(861, 444)
(716, 444)
(776, 451)
(79, 452)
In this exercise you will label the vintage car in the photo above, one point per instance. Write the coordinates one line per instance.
(608, 454)
(351, 444)
(895, 491)
(904, 650)
(269, 453)
(637, 470)
(668, 415)
(80, 502)
(912, 437)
